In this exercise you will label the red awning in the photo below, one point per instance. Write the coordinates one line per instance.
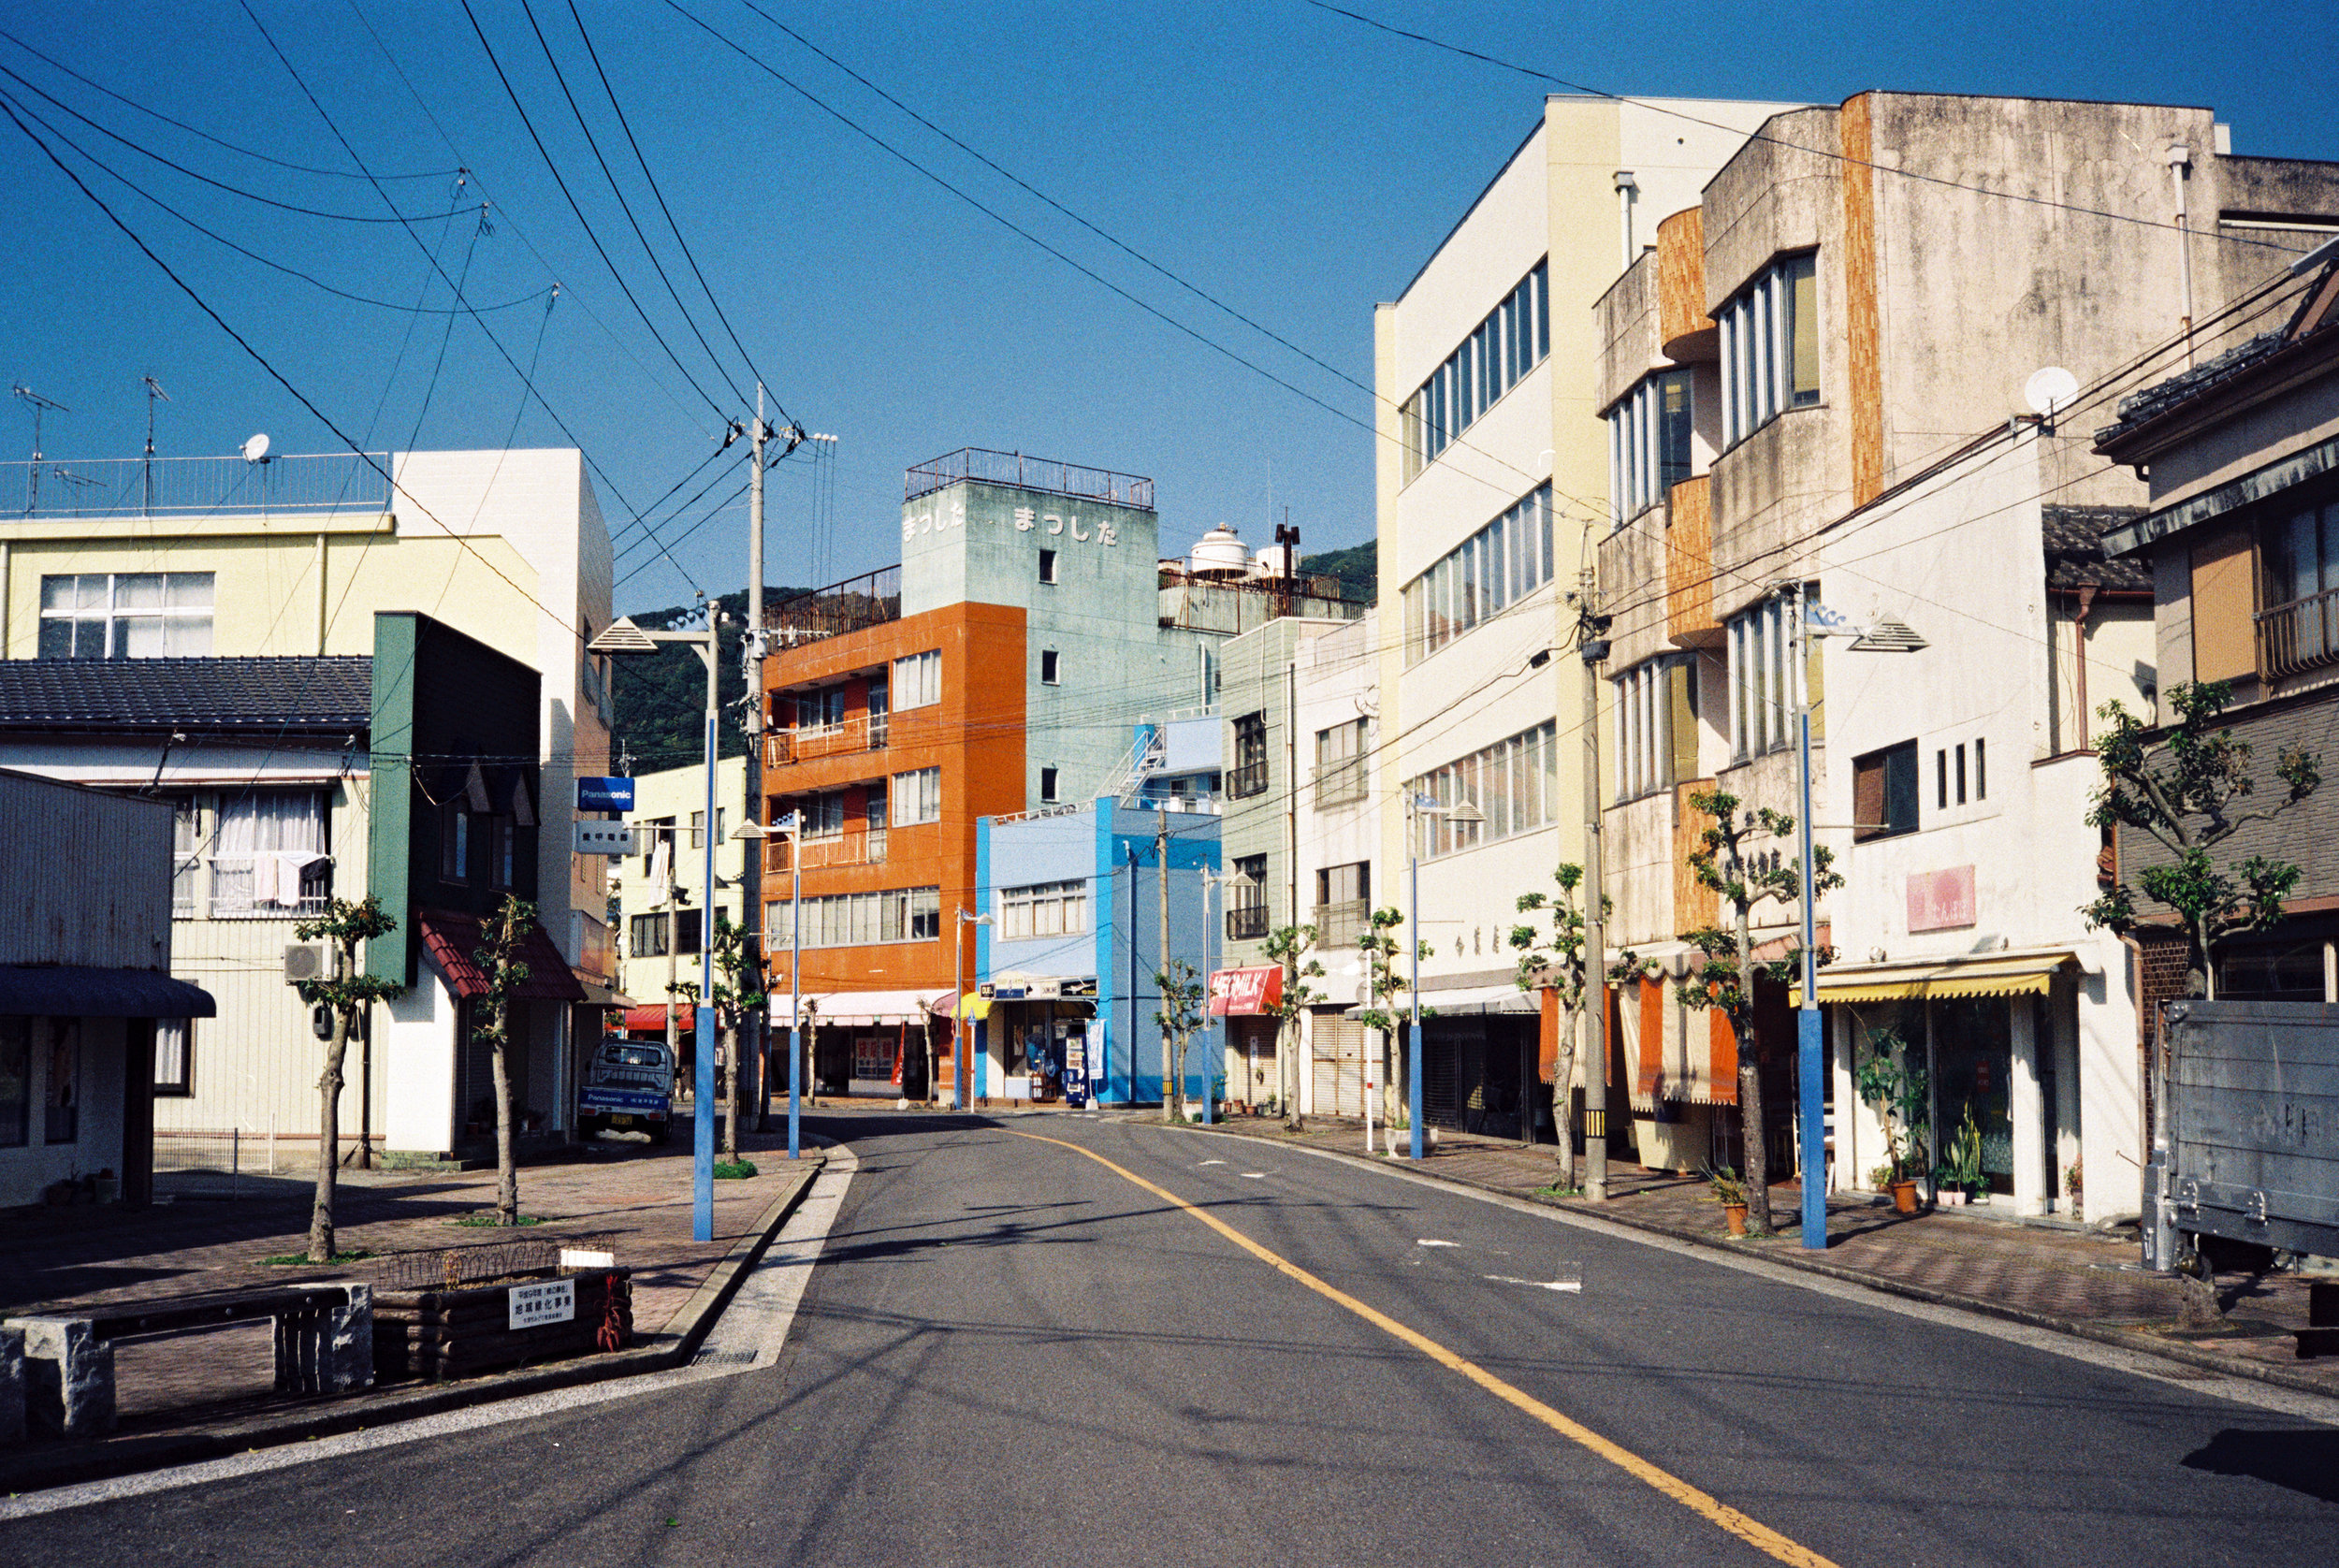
(451, 939)
(650, 1018)
(1245, 992)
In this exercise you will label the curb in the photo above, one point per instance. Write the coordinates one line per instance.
(673, 1346)
(2280, 1377)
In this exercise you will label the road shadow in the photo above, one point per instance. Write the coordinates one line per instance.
(2302, 1460)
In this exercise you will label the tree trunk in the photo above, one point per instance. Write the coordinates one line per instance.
(507, 1174)
(731, 1114)
(328, 1140)
(1751, 1124)
(1288, 1066)
(933, 1066)
(2203, 975)
(1563, 1097)
(1172, 1078)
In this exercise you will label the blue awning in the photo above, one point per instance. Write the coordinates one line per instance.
(72, 991)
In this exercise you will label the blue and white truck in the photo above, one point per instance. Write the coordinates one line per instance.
(629, 1087)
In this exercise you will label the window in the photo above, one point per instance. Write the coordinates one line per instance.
(1649, 442)
(1249, 776)
(270, 857)
(1655, 713)
(1340, 762)
(503, 853)
(881, 699)
(186, 857)
(62, 1095)
(126, 614)
(174, 1057)
(1981, 775)
(686, 927)
(1246, 900)
(1513, 340)
(1050, 909)
(16, 1081)
(1961, 775)
(2299, 626)
(1941, 779)
(1049, 666)
(1761, 700)
(646, 937)
(454, 843)
(862, 919)
(1047, 566)
(1047, 785)
(1769, 347)
(917, 680)
(657, 835)
(1514, 784)
(1493, 568)
(1344, 884)
(1884, 792)
(916, 797)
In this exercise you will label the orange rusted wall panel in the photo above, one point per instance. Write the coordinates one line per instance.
(1690, 566)
(1683, 329)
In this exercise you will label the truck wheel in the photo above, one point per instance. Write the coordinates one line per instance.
(588, 1127)
(663, 1135)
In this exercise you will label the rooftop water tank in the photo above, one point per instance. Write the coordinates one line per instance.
(1219, 554)
(1274, 561)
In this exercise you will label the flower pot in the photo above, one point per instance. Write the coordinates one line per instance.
(1736, 1214)
(1905, 1197)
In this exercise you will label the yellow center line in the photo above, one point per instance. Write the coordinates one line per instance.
(1752, 1531)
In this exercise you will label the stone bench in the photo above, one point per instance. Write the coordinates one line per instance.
(324, 1346)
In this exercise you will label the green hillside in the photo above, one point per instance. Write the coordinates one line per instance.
(1357, 567)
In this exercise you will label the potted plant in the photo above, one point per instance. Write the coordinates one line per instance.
(1730, 1192)
(1896, 1090)
(1965, 1162)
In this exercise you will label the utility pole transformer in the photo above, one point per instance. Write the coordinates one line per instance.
(1592, 643)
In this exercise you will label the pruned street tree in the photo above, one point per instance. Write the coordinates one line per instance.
(1728, 862)
(1379, 945)
(502, 936)
(1184, 1013)
(345, 996)
(1293, 947)
(736, 998)
(1554, 960)
(2189, 791)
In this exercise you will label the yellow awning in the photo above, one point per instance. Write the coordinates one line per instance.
(1994, 974)
(974, 1006)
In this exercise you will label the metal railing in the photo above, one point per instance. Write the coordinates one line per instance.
(1028, 473)
(1246, 923)
(1247, 780)
(261, 887)
(861, 732)
(871, 599)
(148, 486)
(2298, 636)
(851, 849)
(1339, 925)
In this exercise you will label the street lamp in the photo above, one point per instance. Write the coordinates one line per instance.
(1886, 635)
(623, 637)
(1416, 807)
(960, 1032)
(791, 827)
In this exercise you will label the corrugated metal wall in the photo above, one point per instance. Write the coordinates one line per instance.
(84, 877)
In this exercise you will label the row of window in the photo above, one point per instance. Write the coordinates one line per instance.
(1884, 787)
(1649, 442)
(1514, 339)
(1769, 347)
(1047, 909)
(852, 920)
(1656, 725)
(1492, 570)
(647, 934)
(1514, 783)
(126, 614)
(1761, 689)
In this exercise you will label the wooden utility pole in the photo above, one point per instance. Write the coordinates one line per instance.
(753, 1035)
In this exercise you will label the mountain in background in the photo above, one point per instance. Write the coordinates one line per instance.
(1357, 567)
(660, 698)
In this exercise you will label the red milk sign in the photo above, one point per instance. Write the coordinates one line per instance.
(1243, 992)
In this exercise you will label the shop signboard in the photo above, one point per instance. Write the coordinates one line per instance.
(1245, 993)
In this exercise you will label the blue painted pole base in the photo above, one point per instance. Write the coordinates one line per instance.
(1810, 1069)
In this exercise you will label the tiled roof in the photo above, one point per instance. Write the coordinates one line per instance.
(2157, 398)
(453, 938)
(187, 693)
(2074, 549)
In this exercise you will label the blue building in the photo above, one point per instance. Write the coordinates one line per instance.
(1067, 967)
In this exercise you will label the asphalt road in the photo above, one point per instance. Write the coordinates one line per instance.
(1012, 1353)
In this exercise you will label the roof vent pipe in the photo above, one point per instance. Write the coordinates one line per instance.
(2180, 165)
(1626, 189)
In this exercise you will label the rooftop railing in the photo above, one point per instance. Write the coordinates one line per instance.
(1028, 473)
(871, 599)
(176, 487)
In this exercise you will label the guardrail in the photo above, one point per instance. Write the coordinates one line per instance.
(872, 599)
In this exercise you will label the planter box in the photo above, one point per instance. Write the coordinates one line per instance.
(440, 1334)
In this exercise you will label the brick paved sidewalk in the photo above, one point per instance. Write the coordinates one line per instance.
(630, 1198)
(2055, 1272)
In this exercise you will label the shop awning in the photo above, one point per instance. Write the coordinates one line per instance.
(973, 1006)
(452, 938)
(79, 991)
(855, 1007)
(1245, 993)
(1469, 1000)
(599, 995)
(649, 1018)
(1998, 974)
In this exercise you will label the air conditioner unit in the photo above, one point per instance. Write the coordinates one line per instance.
(307, 961)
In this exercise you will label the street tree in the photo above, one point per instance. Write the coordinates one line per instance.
(502, 936)
(1728, 862)
(1293, 947)
(2189, 792)
(1554, 960)
(1378, 944)
(345, 997)
(1184, 1013)
(736, 998)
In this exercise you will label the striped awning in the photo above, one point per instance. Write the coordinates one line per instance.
(1999, 974)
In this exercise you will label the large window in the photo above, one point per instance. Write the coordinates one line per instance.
(1492, 570)
(1769, 347)
(186, 857)
(2299, 626)
(917, 680)
(1514, 339)
(1340, 762)
(1649, 442)
(1343, 904)
(916, 797)
(1884, 792)
(174, 1057)
(848, 920)
(1048, 909)
(1761, 700)
(1246, 899)
(647, 936)
(1249, 776)
(271, 858)
(1656, 713)
(1514, 783)
(126, 614)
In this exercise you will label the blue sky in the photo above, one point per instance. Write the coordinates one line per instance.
(1288, 161)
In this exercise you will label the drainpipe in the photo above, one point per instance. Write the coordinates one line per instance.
(1626, 188)
(2079, 656)
(2180, 166)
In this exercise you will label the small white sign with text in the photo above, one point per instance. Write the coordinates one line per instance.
(552, 1301)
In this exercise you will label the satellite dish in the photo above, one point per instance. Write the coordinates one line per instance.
(255, 450)
(2049, 389)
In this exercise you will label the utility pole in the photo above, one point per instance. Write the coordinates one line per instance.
(1592, 643)
(757, 1046)
(1172, 1101)
(1287, 1070)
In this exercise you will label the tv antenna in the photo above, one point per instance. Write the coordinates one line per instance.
(41, 406)
(154, 390)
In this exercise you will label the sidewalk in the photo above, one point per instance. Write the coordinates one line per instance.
(2051, 1274)
(630, 1198)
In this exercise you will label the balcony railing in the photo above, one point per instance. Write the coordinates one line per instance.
(268, 886)
(1247, 780)
(1340, 783)
(2298, 636)
(150, 487)
(1339, 925)
(850, 849)
(871, 599)
(862, 732)
(1246, 923)
(1028, 473)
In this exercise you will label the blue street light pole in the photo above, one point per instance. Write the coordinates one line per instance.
(1809, 1055)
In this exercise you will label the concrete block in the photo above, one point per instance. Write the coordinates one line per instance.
(328, 1351)
(11, 1385)
(69, 1375)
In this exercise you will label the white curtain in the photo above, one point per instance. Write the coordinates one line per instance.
(267, 840)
